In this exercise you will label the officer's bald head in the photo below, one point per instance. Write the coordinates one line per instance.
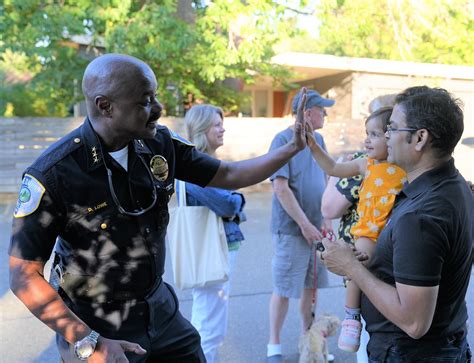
(112, 76)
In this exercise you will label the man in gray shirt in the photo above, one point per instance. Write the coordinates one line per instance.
(296, 223)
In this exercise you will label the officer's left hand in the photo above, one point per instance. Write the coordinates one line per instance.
(113, 351)
(299, 136)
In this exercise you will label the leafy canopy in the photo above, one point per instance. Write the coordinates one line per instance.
(431, 31)
(194, 50)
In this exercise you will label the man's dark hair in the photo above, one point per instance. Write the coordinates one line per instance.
(437, 111)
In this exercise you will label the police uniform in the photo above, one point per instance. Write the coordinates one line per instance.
(109, 263)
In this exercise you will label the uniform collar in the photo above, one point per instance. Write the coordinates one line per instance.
(92, 147)
(431, 177)
(141, 147)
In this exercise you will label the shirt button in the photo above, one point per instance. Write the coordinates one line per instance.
(103, 226)
(77, 140)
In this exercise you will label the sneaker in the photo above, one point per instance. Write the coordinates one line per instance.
(275, 359)
(349, 339)
(331, 358)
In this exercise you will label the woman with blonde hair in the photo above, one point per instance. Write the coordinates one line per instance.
(204, 126)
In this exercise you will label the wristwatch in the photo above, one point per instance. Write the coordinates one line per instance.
(85, 347)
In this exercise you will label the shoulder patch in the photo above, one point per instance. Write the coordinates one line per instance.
(29, 198)
(175, 136)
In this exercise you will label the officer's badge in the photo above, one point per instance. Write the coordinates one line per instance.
(159, 167)
(29, 198)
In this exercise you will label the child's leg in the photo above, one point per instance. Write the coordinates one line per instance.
(366, 245)
(349, 339)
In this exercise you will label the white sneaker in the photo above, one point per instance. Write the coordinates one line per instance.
(331, 358)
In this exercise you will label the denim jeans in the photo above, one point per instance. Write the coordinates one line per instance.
(456, 351)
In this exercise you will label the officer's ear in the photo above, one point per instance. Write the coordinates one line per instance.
(103, 105)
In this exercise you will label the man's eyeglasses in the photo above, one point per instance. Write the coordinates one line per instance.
(391, 129)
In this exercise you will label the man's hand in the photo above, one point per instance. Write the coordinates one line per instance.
(109, 351)
(339, 257)
(311, 233)
(299, 136)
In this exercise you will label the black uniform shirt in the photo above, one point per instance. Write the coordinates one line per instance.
(65, 194)
(427, 242)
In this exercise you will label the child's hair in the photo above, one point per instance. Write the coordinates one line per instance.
(383, 115)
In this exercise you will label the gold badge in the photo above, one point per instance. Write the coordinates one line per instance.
(159, 167)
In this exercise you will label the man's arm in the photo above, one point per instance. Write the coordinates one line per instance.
(29, 285)
(239, 174)
(411, 308)
(235, 175)
(290, 205)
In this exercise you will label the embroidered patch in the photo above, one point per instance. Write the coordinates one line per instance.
(175, 136)
(29, 198)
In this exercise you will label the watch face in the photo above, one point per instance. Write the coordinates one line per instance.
(84, 349)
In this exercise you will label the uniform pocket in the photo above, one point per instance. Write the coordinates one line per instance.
(162, 306)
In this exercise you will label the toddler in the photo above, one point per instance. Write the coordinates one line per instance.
(382, 182)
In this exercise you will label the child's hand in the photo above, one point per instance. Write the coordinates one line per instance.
(310, 140)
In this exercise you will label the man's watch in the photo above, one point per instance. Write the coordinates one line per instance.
(85, 347)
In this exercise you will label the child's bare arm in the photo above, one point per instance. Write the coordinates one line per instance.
(331, 167)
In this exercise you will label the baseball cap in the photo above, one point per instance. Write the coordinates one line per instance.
(313, 98)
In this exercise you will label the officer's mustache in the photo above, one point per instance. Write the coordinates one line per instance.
(154, 117)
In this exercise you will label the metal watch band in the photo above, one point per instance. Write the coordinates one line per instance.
(94, 336)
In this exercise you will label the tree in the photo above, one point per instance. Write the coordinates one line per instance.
(432, 31)
(192, 49)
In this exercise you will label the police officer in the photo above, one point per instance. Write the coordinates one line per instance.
(101, 194)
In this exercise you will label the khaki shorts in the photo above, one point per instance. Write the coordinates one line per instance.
(293, 266)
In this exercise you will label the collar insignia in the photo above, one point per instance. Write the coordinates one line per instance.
(95, 156)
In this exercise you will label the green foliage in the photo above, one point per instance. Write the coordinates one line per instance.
(191, 51)
(432, 31)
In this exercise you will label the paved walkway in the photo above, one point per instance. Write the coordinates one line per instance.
(23, 339)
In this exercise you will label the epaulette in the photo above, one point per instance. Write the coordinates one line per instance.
(179, 138)
(58, 151)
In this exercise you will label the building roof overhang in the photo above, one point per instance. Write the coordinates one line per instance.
(309, 66)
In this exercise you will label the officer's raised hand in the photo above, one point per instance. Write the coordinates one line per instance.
(299, 136)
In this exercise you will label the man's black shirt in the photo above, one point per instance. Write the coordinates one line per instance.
(427, 242)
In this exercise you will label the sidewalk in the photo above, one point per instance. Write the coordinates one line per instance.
(23, 339)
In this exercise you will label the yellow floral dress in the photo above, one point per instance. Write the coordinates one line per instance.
(382, 182)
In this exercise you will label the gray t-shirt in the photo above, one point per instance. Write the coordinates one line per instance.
(307, 181)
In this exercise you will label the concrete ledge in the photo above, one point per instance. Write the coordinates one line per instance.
(22, 140)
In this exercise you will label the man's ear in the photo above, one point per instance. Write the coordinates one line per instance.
(422, 139)
(103, 105)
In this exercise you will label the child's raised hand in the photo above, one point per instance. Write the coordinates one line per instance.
(310, 140)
